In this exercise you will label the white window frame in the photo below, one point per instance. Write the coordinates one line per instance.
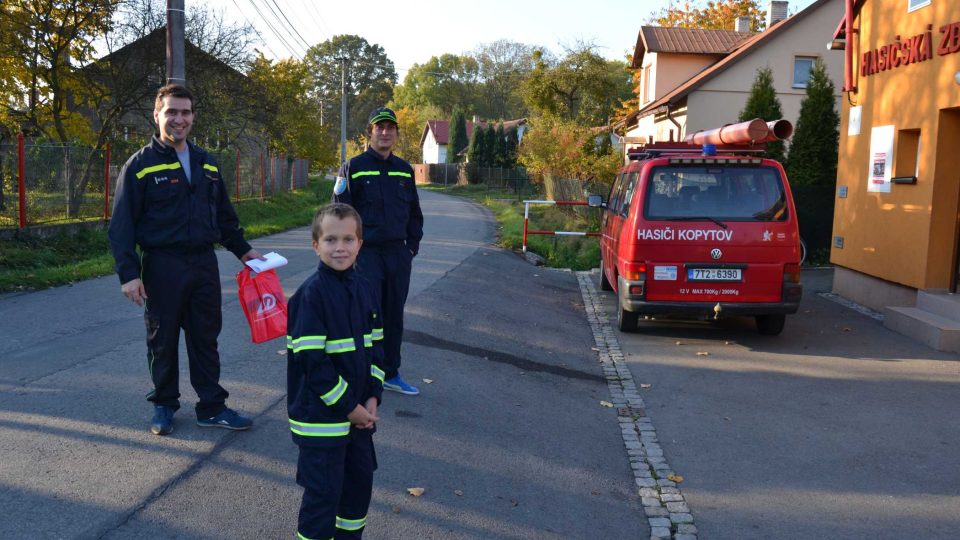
(813, 60)
(913, 5)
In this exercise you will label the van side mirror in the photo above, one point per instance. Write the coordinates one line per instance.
(596, 201)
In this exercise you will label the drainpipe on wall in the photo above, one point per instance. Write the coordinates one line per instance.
(670, 118)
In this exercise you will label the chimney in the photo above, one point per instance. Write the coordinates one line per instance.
(776, 11)
(743, 24)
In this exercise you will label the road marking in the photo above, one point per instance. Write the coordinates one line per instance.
(663, 503)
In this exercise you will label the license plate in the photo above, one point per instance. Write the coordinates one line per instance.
(713, 274)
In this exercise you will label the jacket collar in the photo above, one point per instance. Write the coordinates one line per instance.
(159, 146)
(376, 155)
(346, 275)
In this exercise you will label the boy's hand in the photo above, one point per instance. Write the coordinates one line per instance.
(371, 406)
(135, 291)
(362, 418)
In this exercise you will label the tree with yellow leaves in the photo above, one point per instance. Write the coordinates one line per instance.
(714, 15)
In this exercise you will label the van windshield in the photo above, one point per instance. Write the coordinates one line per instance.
(727, 192)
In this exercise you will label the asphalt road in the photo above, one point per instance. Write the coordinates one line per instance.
(838, 428)
(508, 439)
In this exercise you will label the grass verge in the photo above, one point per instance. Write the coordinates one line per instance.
(573, 252)
(38, 263)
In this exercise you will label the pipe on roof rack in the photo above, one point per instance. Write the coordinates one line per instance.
(749, 132)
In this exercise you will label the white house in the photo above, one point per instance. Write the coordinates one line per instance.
(436, 136)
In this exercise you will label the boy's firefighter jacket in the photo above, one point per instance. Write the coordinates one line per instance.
(334, 354)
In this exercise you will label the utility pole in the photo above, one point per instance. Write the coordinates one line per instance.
(343, 110)
(176, 58)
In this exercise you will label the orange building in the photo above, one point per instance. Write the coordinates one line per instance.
(897, 223)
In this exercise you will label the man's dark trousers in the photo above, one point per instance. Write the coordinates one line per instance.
(387, 268)
(183, 291)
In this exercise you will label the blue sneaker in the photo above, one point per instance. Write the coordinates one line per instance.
(162, 423)
(397, 384)
(227, 419)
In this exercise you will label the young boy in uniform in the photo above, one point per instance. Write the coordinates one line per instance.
(334, 382)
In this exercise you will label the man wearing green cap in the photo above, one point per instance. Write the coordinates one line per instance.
(381, 187)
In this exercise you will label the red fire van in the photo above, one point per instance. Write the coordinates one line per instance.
(694, 230)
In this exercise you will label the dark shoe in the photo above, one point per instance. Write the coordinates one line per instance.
(162, 423)
(228, 419)
(397, 384)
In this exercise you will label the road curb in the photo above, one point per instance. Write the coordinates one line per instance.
(663, 503)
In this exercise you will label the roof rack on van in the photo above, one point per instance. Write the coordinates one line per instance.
(743, 138)
(652, 150)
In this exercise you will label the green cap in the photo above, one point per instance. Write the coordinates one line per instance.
(382, 114)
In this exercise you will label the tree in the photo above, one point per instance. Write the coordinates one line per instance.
(447, 82)
(715, 15)
(813, 150)
(763, 103)
(477, 151)
(489, 145)
(293, 121)
(583, 87)
(499, 146)
(369, 74)
(504, 65)
(564, 149)
(457, 139)
(512, 145)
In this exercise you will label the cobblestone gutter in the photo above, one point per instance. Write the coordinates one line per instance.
(663, 503)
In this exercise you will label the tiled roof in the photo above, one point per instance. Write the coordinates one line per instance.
(659, 39)
(441, 128)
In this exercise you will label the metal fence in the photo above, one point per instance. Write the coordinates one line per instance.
(51, 183)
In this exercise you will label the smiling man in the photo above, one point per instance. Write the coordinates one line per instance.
(381, 187)
(171, 203)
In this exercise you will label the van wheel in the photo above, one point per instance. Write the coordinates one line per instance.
(626, 320)
(604, 282)
(770, 325)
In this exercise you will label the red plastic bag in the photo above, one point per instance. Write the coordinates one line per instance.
(263, 303)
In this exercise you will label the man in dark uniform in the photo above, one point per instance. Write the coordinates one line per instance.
(381, 187)
(172, 203)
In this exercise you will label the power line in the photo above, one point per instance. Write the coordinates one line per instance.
(292, 27)
(265, 44)
(313, 8)
(280, 37)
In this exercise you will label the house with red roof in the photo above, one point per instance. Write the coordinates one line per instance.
(436, 136)
(694, 79)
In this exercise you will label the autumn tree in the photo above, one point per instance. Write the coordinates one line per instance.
(457, 136)
(713, 15)
(813, 149)
(293, 121)
(504, 65)
(564, 149)
(369, 78)
(763, 103)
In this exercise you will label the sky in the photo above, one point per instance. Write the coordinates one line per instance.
(411, 32)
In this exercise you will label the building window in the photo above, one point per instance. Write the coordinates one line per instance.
(647, 86)
(802, 65)
(916, 4)
(906, 160)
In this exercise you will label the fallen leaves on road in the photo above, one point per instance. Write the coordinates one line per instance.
(703, 353)
(415, 491)
(458, 493)
(675, 478)
(605, 403)
(645, 385)
(396, 509)
(846, 328)
(428, 381)
(728, 343)
(679, 343)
